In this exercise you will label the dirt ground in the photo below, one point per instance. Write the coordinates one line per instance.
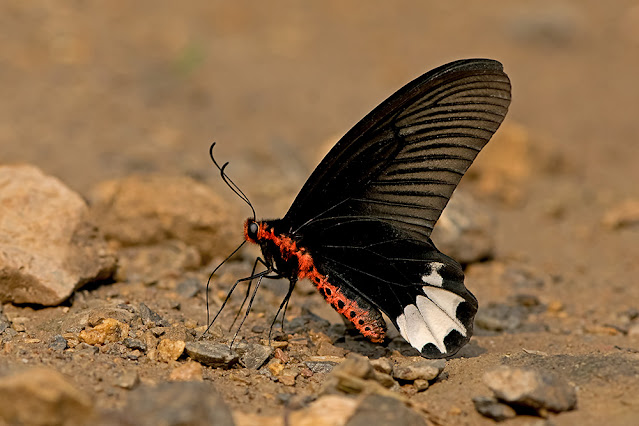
(100, 90)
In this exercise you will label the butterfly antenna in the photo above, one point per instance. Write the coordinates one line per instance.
(229, 182)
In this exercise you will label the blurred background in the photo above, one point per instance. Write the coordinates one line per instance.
(98, 90)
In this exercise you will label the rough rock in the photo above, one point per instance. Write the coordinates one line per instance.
(216, 355)
(489, 407)
(109, 330)
(255, 356)
(48, 245)
(415, 368)
(146, 210)
(539, 390)
(622, 215)
(356, 375)
(170, 350)
(465, 230)
(382, 410)
(150, 317)
(41, 396)
(177, 403)
(149, 264)
(58, 343)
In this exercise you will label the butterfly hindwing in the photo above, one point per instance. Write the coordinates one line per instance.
(420, 289)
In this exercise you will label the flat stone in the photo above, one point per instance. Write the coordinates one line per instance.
(531, 388)
(255, 356)
(49, 247)
(489, 407)
(415, 368)
(216, 355)
(324, 367)
(41, 396)
(177, 403)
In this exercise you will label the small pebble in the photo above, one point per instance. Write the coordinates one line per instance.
(414, 368)
(58, 343)
(216, 355)
(489, 407)
(170, 350)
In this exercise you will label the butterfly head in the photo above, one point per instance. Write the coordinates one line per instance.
(252, 231)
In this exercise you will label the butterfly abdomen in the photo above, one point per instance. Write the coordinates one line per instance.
(296, 263)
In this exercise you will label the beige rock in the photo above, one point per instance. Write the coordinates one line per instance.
(144, 210)
(48, 245)
(188, 372)
(41, 396)
(622, 215)
(109, 330)
(170, 350)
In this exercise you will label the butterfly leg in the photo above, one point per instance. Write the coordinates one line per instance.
(248, 309)
(228, 296)
(248, 290)
(284, 305)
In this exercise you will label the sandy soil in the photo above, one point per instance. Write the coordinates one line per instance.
(100, 90)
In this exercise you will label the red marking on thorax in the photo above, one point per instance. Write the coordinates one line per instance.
(360, 317)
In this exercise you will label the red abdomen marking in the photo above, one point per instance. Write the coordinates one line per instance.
(365, 318)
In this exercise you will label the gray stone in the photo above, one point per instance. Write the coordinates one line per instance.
(58, 343)
(415, 368)
(383, 410)
(500, 317)
(489, 407)
(149, 316)
(134, 344)
(189, 287)
(539, 390)
(324, 367)
(465, 230)
(215, 355)
(177, 403)
(48, 245)
(255, 356)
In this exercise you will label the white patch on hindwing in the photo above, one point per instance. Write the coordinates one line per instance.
(433, 277)
(432, 317)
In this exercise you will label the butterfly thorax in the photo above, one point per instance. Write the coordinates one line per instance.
(290, 260)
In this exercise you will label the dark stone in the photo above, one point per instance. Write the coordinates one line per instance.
(178, 403)
(212, 354)
(255, 356)
(134, 344)
(489, 407)
(500, 317)
(149, 316)
(58, 343)
(189, 287)
(383, 410)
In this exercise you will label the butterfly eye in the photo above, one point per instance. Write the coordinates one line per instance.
(252, 230)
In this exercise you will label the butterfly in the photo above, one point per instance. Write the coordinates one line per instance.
(360, 227)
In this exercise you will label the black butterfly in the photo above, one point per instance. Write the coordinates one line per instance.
(360, 227)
